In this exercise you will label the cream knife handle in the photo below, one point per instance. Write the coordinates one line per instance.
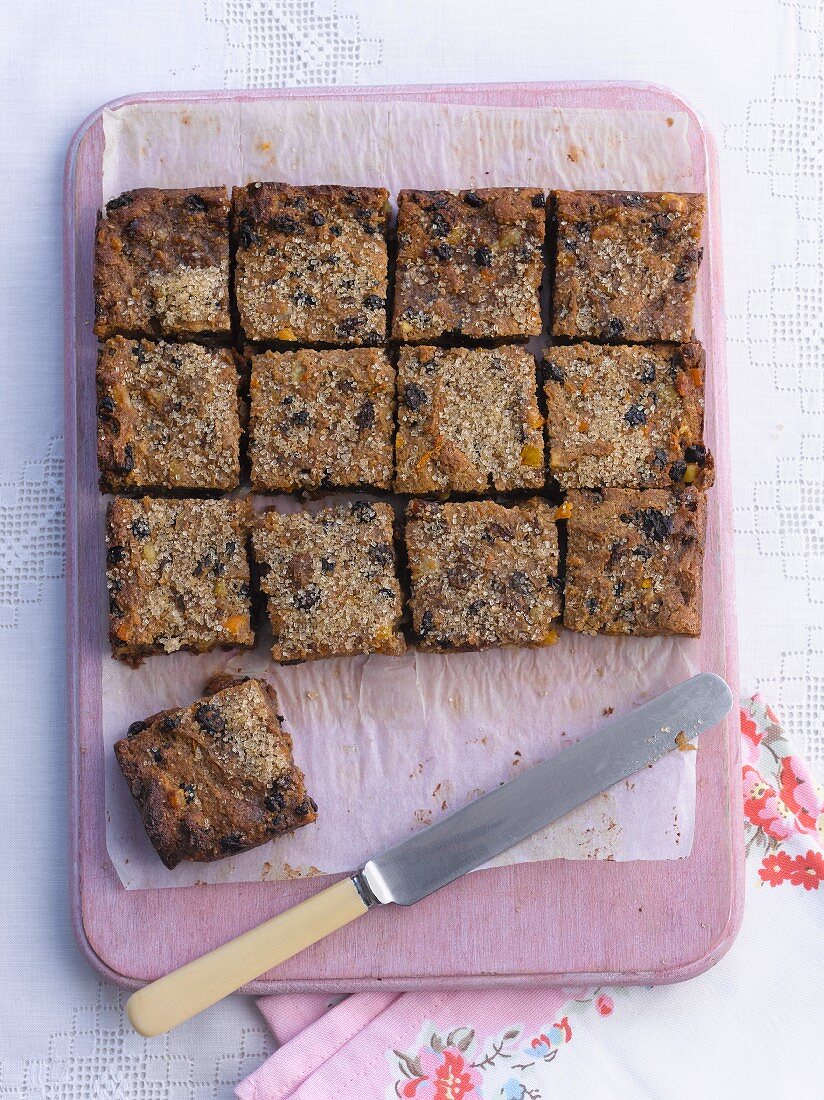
(170, 1001)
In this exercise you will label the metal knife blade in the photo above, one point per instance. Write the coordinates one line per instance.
(441, 853)
(488, 826)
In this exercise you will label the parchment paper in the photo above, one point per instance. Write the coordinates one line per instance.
(388, 744)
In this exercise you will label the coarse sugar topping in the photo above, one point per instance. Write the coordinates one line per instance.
(469, 263)
(625, 415)
(311, 263)
(468, 421)
(483, 574)
(331, 581)
(237, 727)
(162, 264)
(634, 561)
(321, 419)
(167, 416)
(626, 264)
(190, 299)
(178, 575)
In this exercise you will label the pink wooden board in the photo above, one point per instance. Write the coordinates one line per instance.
(539, 923)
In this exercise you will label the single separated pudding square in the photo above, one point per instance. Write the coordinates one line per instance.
(626, 416)
(311, 263)
(167, 417)
(468, 421)
(634, 561)
(483, 575)
(162, 264)
(470, 264)
(331, 581)
(321, 420)
(626, 265)
(178, 575)
(217, 777)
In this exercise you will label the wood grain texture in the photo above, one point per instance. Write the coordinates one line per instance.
(176, 997)
(541, 923)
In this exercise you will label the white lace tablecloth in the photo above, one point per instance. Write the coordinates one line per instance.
(753, 70)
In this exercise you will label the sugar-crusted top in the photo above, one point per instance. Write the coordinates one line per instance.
(167, 416)
(216, 777)
(178, 574)
(238, 728)
(483, 574)
(469, 263)
(468, 420)
(331, 581)
(311, 263)
(634, 561)
(626, 264)
(162, 263)
(626, 415)
(321, 419)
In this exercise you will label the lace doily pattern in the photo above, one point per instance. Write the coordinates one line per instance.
(778, 155)
(292, 43)
(775, 156)
(799, 687)
(99, 1056)
(32, 544)
(785, 519)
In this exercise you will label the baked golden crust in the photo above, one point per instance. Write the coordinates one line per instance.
(628, 416)
(311, 263)
(634, 561)
(483, 575)
(469, 264)
(626, 264)
(321, 419)
(162, 264)
(624, 416)
(168, 417)
(178, 575)
(217, 777)
(468, 421)
(331, 581)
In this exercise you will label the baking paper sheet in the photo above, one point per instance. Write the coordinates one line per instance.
(389, 744)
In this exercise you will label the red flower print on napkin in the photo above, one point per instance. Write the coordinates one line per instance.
(454, 1078)
(764, 809)
(803, 797)
(751, 738)
(808, 870)
(604, 1004)
(776, 868)
(439, 1070)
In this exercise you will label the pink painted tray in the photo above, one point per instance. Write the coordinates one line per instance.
(531, 923)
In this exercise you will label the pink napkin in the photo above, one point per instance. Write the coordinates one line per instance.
(347, 1045)
(504, 1043)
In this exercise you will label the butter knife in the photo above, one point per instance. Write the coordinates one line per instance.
(441, 853)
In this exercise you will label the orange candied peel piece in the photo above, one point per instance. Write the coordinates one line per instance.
(532, 456)
(235, 623)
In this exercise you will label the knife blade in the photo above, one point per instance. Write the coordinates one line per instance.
(545, 792)
(444, 851)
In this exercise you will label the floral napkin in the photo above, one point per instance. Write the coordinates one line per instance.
(749, 1027)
